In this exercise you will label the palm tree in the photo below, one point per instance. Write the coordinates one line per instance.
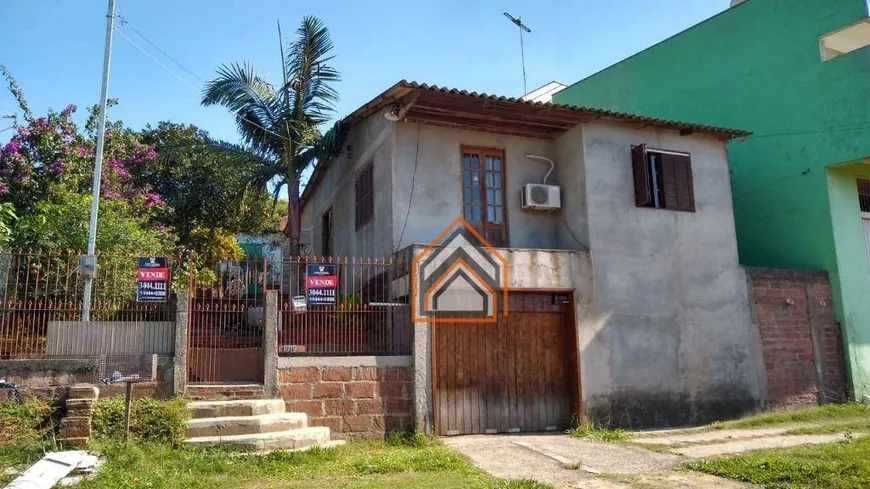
(280, 126)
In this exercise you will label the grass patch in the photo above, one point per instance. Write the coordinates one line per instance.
(153, 420)
(817, 414)
(402, 461)
(26, 433)
(856, 425)
(829, 466)
(594, 431)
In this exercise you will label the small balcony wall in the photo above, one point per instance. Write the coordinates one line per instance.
(528, 269)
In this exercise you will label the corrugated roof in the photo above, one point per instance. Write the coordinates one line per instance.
(404, 86)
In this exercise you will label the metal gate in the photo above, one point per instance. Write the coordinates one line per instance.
(517, 374)
(226, 318)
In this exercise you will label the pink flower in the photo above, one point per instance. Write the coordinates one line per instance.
(152, 199)
(4, 189)
(12, 147)
(119, 168)
(57, 167)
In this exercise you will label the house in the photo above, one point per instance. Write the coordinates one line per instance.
(624, 295)
(794, 72)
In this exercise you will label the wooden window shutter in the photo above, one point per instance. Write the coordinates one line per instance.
(642, 187)
(669, 182)
(685, 189)
(677, 189)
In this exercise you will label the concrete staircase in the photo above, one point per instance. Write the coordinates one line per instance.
(252, 425)
(224, 392)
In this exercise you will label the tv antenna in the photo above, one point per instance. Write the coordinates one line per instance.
(519, 23)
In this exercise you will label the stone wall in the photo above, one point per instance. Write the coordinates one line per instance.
(801, 341)
(51, 378)
(363, 401)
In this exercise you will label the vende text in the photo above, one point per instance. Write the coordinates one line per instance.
(153, 274)
(322, 281)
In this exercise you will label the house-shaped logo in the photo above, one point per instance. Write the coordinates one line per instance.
(459, 278)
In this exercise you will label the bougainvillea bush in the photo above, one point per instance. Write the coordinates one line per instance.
(46, 174)
(158, 185)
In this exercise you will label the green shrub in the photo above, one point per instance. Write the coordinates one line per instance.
(26, 432)
(159, 421)
(162, 421)
(23, 421)
(108, 419)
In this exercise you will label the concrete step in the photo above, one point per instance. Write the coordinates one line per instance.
(224, 392)
(250, 407)
(290, 440)
(246, 425)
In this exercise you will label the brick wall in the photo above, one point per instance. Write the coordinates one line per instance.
(800, 340)
(358, 402)
(830, 342)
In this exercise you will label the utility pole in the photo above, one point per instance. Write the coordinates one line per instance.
(519, 23)
(88, 263)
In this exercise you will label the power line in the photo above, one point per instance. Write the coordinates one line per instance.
(854, 126)
(146, 53)
(413, 184)
(164, 53)
(126, 23)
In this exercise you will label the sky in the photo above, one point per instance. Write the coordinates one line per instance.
(54, 48)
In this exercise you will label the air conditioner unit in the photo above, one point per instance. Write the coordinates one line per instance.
(542, 197)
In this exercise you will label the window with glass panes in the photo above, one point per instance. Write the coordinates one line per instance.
(483, 193)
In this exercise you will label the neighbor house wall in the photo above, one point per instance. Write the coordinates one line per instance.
(757, 66)
(668, 340)
(368, 141)
(437, 196)
(852, 283)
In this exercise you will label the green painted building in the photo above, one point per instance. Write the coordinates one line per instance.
(793, 72)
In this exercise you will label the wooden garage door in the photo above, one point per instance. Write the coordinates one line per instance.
(518, 374)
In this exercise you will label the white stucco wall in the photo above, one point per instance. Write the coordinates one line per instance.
(669, 337)
(437, 198)
(368, 141)
(573, 230)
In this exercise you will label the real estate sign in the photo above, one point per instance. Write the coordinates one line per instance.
(152, 276)
(321, 283)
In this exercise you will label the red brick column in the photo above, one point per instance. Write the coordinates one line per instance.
(801, 342)
(362, 401)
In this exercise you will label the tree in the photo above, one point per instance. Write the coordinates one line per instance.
(281, 125)
(202, 185)
(7, 220)
(61, 223)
